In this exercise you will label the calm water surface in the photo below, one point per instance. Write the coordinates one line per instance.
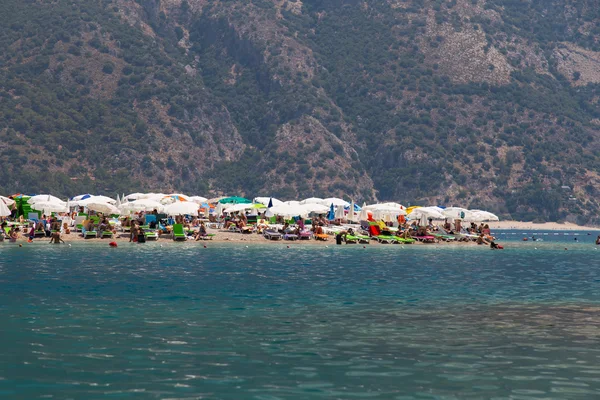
(268, 322)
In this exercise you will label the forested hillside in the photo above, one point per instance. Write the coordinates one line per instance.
(482, 103)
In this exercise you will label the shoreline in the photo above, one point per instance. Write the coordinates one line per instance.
(545, 226)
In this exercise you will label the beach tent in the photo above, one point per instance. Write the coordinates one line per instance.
(234, 200)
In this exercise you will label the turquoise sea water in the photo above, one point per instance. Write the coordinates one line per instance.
(268, 322)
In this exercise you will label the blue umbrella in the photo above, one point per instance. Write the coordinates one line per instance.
(331, 213)
(270, 202)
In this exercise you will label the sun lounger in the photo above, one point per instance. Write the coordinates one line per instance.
(88, 234)
(290, 236)
(445, 238)
(271, 235)
(151, 235)
(425, 239)
(305, 235)
(106, 234)
(405, 240)
(322, 236)
(208, 236)
(178, 233)
(39, 234)
(386, 239)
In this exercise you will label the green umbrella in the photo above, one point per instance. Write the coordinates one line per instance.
(234, 200)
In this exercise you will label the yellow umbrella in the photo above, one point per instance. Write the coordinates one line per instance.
(411, 209)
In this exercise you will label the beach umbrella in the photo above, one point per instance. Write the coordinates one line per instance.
(364, 213)
(182, 208)
(141, 205)
(219, 209)
(46, 198)
(427, 212)
(481, 216)
(267, 200)
(335, 201)
(118, 203)
(331, 213)
(242, 207)
(314, 208)
(198, 199)
(286, 210)
(350, 216)
(104, 208)
(270, 203)
(134, 196)
(234, 200)
(48, 207)
(312, 200)
(339, 213)
(455, 213)
(7, 201)
(292, 203)
(81, 197)
(4, 211)
(172, 198)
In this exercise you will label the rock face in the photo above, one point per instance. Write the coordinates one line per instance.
(482, 103)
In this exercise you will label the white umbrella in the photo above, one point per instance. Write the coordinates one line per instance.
(240, 207)
(339, 212)
(428, 212)
(81, 197)
(384, 208)
(134, 196)
(219, 209)
(312, 200)
(364, 213)
(94, 200)
(118, 203)
(49, 207)
(7, 201)
(335, 201)
(482, 216)
(47, 198)
(4, 211)
(141, 205)
(455, 213)
(314, 208)
(286, 210)
(291, 203)
(182, 208)
(350, 216)
(104, 208)
(198, 199)
(266, 200)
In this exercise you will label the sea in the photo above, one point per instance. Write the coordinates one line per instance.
(267, 322)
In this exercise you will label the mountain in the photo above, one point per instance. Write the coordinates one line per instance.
(482, 103)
